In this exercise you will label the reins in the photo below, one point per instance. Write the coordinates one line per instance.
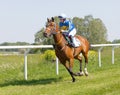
(54, 31)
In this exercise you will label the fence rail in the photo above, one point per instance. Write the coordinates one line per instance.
(101, 47)
(104, 45)
(28, 47)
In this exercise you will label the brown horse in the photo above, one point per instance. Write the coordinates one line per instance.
(64, 52)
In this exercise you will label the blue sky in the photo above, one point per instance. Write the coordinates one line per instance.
(21, 19)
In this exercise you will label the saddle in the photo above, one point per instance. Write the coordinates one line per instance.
(74, 42)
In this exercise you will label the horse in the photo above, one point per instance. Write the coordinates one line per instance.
(65, 53)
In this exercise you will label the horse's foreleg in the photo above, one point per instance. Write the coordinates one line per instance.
(72, 75)
(69, 68)
(70, 72)
(71, 63)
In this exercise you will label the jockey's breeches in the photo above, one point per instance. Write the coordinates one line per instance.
(72, 33)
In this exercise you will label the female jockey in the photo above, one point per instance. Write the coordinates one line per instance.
(68, 28)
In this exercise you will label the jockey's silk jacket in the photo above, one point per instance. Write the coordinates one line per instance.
(66, 25)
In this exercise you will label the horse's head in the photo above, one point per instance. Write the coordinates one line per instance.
(50, 27)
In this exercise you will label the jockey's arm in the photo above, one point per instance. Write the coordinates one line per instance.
(70, 26)
(67, 28)
(64, 28)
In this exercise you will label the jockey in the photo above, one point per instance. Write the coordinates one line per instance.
(68, 28)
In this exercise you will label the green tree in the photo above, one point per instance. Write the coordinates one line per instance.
(39, 38)
(98, 32)
(91, 28)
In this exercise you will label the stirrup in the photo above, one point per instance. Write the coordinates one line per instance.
(71, 44)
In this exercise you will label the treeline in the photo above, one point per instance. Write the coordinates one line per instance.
(21, 51)
(91, 28)
(116, 41)
(13, 44)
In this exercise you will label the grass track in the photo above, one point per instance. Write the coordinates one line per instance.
(42, 79)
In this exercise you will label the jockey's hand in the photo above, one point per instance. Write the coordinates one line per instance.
(64, 31)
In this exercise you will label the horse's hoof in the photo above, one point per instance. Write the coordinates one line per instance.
(80, 73)
(73, 80)
(86, 73)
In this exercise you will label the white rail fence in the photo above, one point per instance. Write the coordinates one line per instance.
(101, 47)
(27, 48)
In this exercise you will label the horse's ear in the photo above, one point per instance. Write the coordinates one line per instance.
(52, 19)
(48, 20)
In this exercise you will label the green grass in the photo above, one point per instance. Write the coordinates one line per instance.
(42, 78)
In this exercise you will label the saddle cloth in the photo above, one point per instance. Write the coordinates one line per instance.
(76, 42)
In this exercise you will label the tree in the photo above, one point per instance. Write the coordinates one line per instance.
(39, 36)
(98, 32)
(92, 29)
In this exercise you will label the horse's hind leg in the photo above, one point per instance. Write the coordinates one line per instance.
(86, 62)
(81, 73)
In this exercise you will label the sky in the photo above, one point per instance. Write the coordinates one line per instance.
(21, 19)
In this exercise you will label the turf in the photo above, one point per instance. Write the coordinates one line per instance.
(42, 78)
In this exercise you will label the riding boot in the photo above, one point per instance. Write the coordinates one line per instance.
(72, 43)
(67, 38)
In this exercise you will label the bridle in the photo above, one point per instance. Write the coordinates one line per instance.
(54, 31)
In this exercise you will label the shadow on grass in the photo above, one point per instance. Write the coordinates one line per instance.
(31, 82)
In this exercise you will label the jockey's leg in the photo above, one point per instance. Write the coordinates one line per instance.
(66, 37)
(72, 40)
(73, 32)
(71, 36)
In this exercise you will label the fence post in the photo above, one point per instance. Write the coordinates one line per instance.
(99, 56)
(113, 55)
(25, 63)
